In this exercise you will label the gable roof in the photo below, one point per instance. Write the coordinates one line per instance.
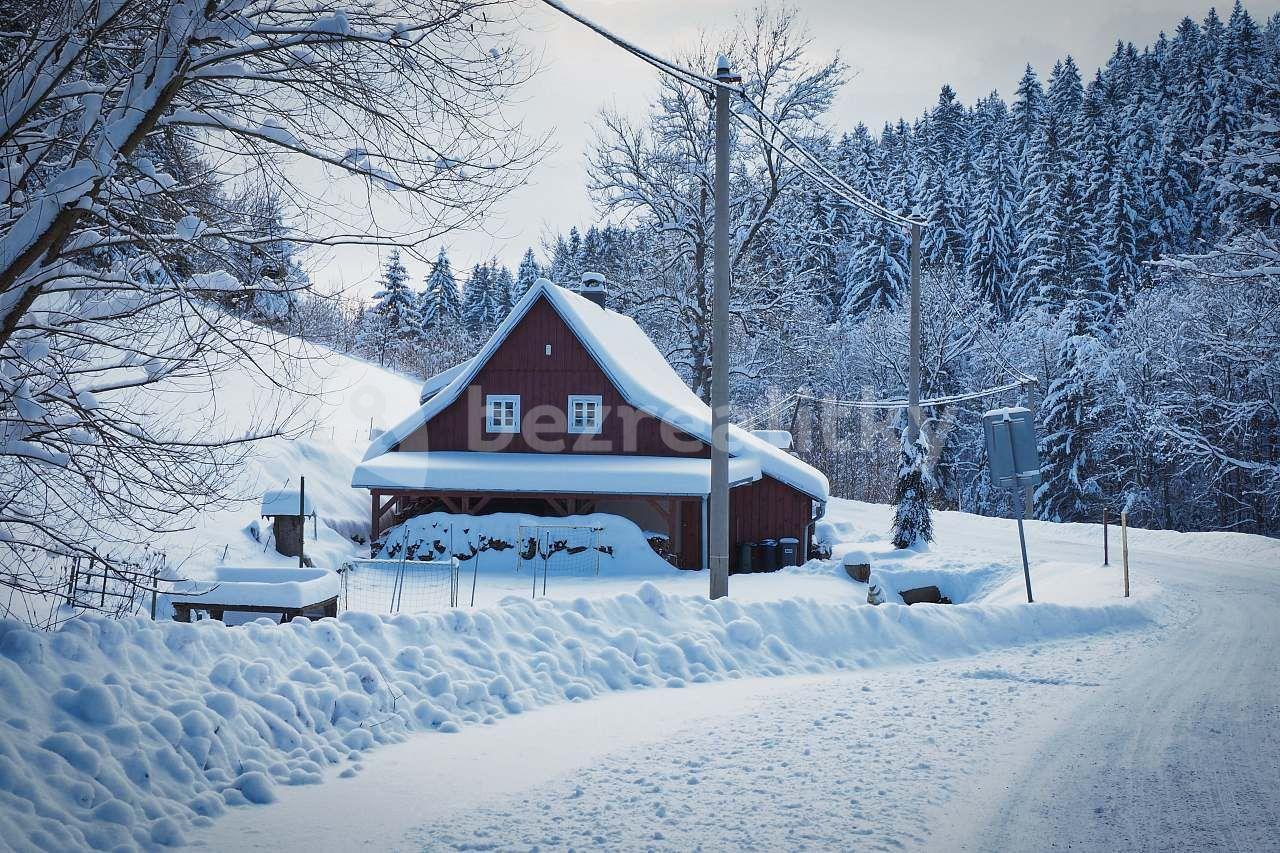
(637, 369)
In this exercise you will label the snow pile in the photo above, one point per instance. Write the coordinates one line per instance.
(626, 551)
(127, 734)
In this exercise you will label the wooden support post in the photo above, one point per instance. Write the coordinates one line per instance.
(1124, 548)
(375, 529)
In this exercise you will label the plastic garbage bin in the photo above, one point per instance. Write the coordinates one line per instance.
(789, 551)
(768, 555)
(744, 557)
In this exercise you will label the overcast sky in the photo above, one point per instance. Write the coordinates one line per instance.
(899, 53)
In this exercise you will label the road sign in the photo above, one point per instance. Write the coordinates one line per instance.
(1014, 460)
(1012, 453)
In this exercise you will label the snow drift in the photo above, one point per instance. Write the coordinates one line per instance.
(127, 734)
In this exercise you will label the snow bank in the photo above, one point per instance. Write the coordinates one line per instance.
(117, 735)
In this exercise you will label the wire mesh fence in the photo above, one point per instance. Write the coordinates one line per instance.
(399, 586)
(548, 551)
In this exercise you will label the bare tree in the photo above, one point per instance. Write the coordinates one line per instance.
(116, 117)
(660, 172)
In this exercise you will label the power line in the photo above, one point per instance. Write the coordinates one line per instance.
(857, 200)
(707, 85)
(693, 78)
(877, 208)
(1022, 381)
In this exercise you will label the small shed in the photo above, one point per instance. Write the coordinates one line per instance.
(288, 510)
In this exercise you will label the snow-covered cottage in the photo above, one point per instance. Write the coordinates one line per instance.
(569, 408)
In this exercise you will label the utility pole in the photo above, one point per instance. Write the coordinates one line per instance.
(718, 555)
(913, 378)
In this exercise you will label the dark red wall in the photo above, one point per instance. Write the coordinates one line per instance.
(521, 366)
(766, 509)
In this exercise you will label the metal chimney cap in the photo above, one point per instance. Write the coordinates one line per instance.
(593, 279)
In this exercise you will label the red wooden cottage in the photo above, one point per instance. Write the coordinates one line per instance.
(569, 408)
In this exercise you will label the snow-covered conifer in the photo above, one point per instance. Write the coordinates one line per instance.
(440, 301)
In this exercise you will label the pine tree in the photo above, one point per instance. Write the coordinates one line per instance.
(441, 303)
(1118, 250)
(913, 521)
(1058, 259)
(1028, 109)
(1071, 413)
(480, 302)
(527, 275)
(991, 259)
(392, 326)
(504, 286)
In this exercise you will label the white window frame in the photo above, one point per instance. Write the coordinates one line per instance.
(490, 424)
(594, 399)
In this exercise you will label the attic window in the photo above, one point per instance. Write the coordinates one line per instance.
(502, 413)
(585, 413)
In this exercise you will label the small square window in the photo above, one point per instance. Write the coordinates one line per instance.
(502, 413)
(586, 412)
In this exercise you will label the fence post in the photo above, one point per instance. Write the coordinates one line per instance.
(155, 579)
(75, 576)
(1124, 547)
(103, 603)
(1106, 553)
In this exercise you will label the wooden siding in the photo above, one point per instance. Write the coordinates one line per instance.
(521, 366)
(766, 509)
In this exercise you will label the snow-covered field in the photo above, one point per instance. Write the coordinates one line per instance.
(623, 710)
(141, 733)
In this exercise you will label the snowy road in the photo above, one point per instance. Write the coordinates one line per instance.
(1162, 738)
(1181, 753)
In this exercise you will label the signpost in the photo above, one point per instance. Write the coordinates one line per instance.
(1014, 461)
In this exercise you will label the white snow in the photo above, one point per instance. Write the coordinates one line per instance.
(547, 472)
(137, 732)
(440, 381)
(641, 374)
(268, 586)
(286, 502)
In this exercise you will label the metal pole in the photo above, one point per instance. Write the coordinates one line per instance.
(1022, 540)
(913, 377)
(1022, 510)
(302, 520)
(719, 544)
(1124, 547)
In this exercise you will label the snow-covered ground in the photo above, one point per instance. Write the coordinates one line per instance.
(626, 710)
(1159, 736)
(142, 733)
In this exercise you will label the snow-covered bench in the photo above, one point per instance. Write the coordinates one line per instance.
(270, 591)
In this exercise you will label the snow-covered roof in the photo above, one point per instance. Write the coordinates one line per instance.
(284, 502)
(440, 381)
(638, 370)
(562, 473)
(779, 438)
